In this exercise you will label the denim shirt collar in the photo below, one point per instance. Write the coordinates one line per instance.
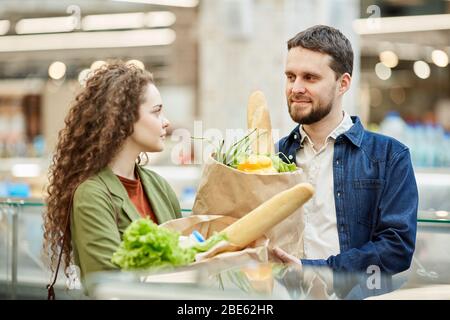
(354, 134)
(345, 124)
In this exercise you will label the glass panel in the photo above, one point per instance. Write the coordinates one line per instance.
(260, 281)
(434, 191)
(32, 274)
(429, 265)
(5, 251)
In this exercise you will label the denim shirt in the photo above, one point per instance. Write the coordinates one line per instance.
(376, 202)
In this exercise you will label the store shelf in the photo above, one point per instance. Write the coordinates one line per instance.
(432, 217)
(7, 164)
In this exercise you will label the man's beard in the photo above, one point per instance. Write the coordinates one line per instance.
(316, 114)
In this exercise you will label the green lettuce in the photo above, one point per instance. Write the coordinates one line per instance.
(145, 245)
(282, 166)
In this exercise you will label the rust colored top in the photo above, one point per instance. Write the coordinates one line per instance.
(138, 197)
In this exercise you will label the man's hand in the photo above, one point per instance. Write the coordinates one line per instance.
(285, 257)
(317, 282)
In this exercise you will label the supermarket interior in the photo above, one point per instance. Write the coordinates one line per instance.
(206, 58)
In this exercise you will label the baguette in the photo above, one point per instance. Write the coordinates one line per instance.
(264, 217)
(258, 118)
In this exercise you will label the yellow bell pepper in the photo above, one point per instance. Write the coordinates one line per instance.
(257, 164)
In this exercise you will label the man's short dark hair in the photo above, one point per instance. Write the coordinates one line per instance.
(327, 40)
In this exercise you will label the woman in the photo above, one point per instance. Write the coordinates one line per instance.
(96, 169)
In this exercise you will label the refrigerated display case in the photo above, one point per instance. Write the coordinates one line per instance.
(24, 275)
(23, 272)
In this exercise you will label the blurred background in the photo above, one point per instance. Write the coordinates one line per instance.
(207, 56)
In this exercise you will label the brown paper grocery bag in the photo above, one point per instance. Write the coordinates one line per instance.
(229, 192)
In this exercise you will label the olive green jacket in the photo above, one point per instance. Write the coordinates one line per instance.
(102, 211)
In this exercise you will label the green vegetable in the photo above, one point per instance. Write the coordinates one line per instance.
(282, 166)
(235, 153)
(209, 243)
(240, 150)
(145, 245)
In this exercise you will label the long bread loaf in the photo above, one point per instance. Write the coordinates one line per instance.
(258, 118)
(271, 212)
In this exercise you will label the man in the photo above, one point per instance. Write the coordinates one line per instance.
(363, 217)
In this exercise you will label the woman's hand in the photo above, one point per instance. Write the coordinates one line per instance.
(220, 247)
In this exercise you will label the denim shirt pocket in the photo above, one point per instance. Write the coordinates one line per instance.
(367, 193)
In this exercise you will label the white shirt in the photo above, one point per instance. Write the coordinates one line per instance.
(320, 235)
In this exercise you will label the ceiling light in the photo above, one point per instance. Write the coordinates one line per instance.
(83, 76)
(46, 25)
(88, 40)
(172, 3)
(137, 20)
(160, 19)
(421, 69)
(97, 64)
(402, 24)
(113, 21)
(4, 27)
(440, 58)
(382, 71)
(389, 58)
(57, 70)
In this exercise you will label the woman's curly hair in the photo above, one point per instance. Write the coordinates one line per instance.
(100, 119)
